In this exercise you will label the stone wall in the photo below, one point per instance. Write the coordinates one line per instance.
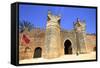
(37, 37)
(90, 42)
(36, 40)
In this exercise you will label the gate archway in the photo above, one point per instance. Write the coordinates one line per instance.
(67, 47)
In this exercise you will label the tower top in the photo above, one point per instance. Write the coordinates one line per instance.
(79, 25)
(53, 13)
(53, 17)
(79, 22)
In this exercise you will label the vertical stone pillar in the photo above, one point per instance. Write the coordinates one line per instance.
(80, 36)
(52, 37)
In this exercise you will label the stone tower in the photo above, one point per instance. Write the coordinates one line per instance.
(52, 39)
(80, 27)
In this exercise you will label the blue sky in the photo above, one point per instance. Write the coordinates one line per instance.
(37, 15)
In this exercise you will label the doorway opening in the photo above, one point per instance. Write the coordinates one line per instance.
(37, 52)
(67, 47)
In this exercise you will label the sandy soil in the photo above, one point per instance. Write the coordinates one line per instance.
(89, 56)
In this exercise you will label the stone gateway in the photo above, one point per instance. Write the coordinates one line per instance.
(54, 42)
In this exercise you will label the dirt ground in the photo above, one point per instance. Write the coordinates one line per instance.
(89, 56)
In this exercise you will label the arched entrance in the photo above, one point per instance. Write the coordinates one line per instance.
(37, 52)
(67, 47)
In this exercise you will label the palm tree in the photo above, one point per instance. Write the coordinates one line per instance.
(25, 25)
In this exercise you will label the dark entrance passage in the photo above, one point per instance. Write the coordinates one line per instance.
(67, 47)
(37, 52)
